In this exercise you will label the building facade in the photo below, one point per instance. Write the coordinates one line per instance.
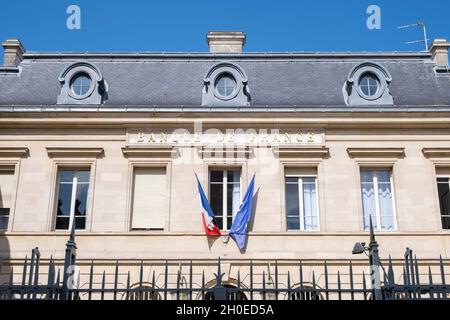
(110, 143)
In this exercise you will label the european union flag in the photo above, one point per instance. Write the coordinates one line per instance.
(238, 229)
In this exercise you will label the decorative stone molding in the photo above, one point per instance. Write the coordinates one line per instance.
(76, 152)
(352, 92)
(301, 152)
(223, 152)
(98, 89)
(149, 152)
(436, 152)
(14, 152)
(376, 152)
(239, 97)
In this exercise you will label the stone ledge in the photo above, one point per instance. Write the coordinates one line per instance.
(14, 152)
(78, 152)
(376, 152)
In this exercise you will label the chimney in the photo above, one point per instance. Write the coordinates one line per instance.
(13, 52)
(225, 41)
(439, 50)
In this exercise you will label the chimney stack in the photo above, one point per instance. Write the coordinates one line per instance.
(225, 41)
(13, 52)
(439, 50)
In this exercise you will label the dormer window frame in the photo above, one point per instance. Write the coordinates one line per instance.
(96, 93)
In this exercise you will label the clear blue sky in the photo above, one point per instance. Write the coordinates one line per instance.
(181, 25)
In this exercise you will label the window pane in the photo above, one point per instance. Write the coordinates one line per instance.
(64, 198)
(83, 176)
(66, 176)
(292, 204)
(81, 199)
(444, 201)
(386, 206)
(3, 222)
(368, 199)
(219, 221)
(62, 223)
(80, 223)
(216, 198)
(310, 203)
(217, 176)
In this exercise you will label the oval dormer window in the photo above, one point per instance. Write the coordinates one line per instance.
(225, 85)
(80, 84)
(369, 84)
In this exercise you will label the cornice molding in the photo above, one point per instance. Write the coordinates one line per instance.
(376, 152)
(301, 152)
(436, 152)
(77, 152)
(14, 152)
(149, 152)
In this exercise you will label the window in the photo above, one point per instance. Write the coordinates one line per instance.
(444, 201)
(149, 199)
(225, 195)
(81, 83)
(301, 199)
(6, 195)
(369, 84)
(377, 199)
(73, 187)
(225, 85)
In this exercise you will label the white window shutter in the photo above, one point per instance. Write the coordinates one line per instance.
(149, 198)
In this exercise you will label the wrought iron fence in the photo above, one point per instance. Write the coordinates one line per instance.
(379, 283)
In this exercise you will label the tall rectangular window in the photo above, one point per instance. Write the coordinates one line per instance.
(301, 199)
(225, 195)
(149, 199)
(443, 185)
(73, 187)
(377, 199)
(6, 195)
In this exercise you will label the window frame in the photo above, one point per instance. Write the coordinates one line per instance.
(442, 176)
(301, 204)
(73, 196)
(224, 213)
(390, 169)
(12, 166)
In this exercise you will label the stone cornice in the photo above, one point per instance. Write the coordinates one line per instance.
(302, 152)
(376, 152)
(77, 152)
(436, 152)
(14, 152)
(148, 152)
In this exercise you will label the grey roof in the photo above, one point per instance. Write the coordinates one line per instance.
(176, 79)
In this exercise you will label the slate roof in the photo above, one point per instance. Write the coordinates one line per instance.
(176, 79)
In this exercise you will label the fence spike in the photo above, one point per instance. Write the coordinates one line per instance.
(103, 285)
(127, 297)
(430, 280)
(327, 294)
(264, 284)
(11, 283)
(91, 279)
(166, 275)
(339, 285)
(441, 266)
(301, 274)
(364, 285)
(391, 276)
(352, 293)
(203, 284)
(190, 280)
(251, 279)
(276, 279)
(314, 285)
(116, 279)
(416, 271)
(178, 284)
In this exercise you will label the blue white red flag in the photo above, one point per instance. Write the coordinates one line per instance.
(208, 216)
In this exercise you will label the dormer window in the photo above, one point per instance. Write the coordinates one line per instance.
(82, 83)
(368, 84)
(226, 85)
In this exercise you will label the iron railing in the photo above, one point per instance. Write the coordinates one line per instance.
(166, 280)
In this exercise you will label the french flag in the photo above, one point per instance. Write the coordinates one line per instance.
(211, 228)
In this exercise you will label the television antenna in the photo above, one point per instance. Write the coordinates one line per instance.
(419, 24)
